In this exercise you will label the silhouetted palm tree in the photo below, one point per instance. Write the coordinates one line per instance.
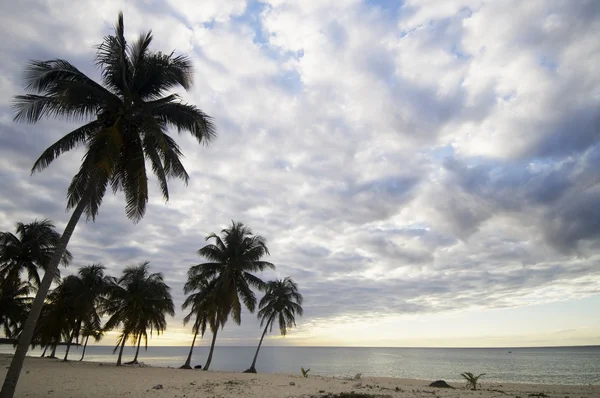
(127, 118)
(82, 295)
(93, 331)
(138, 301)
(203, 301)
(281, 302)
(232, 260)
(14, 305)
(53, 325)
(29, 250)
(64, 298)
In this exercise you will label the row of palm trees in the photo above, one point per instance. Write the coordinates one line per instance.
(126, 120)
(138, 302)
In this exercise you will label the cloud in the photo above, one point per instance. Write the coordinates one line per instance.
(400, 159)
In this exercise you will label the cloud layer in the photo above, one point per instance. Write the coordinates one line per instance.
(400, 158)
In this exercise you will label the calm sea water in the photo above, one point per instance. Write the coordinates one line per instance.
(563, 365)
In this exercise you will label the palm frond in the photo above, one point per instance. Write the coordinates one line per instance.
(111, 57)
(162, 72)
(185, 117)
(71, 140)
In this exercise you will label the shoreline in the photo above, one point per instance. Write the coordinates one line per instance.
(5, 358)
(51, 377)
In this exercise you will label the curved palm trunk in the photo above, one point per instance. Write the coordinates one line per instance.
(212, 348)
(252, 367)
(44, 353)
(14, 371)
(121, 351)
(138, 350)
(53, 353)
(84, 347)
(188, 362)
(69, 346)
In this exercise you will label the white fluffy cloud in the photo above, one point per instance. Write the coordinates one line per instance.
(405, 159)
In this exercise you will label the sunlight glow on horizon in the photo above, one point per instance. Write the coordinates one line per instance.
(487, 328)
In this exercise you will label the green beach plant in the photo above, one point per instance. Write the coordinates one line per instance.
(281, 302)
(304, 371)
(127, 118)
(471, 379)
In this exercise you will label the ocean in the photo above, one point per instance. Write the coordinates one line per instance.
(557, 365)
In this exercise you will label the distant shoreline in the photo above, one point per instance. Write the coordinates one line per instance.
(14, 342)
(10, 342)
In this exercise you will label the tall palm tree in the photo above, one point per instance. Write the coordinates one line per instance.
(14, 305)
(93, 331)
(52, 327)
(232, 260)
(281, 301)
(138, 301)
(83, 295)
(65, 298)
(203, 301)
(30, 250)
(127, 119)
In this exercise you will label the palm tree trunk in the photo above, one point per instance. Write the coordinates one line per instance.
(187, 364)
(138, 350)
(14, 371)
(121, 351)
(53, 353)
(44, 353)
(252, 367)
(212, 347)
(84, 347)
(69, 345)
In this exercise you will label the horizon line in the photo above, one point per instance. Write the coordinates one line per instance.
(404, 347)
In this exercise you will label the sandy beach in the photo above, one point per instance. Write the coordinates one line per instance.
(50, 377)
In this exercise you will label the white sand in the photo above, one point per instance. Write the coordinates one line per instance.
(51, 378)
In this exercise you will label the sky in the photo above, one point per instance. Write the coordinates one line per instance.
(426, 171)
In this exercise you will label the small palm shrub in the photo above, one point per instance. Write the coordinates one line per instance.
(304, 371)
(471, 379)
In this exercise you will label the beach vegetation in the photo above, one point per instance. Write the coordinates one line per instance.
(233, 259)
(137, 303)
(471, 379)
(282, 302)
(29, 250)
(126, 120)
(15, 300)
(90, 330)
(203, 302)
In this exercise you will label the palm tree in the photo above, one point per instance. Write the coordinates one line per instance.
(137, 301)
(233, 258)
(52, 327)
(65, 298)
(29, 250)
(471, 379)
(14, 305)
(82, 295)
(281, 301)
(204, 308)
(127, 119)
(93, 331)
